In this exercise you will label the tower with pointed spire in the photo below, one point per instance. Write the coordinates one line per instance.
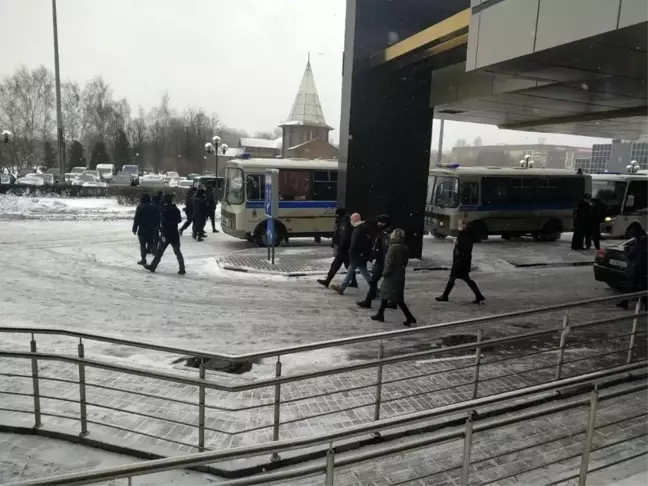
(306, 120)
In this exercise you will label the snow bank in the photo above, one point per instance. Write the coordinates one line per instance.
(52, 208)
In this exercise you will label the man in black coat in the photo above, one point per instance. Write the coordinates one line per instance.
(199, 215)
(379, 249)
(340, 242)
(359, 253)
(145, 225)
(461, 263)
(171, 218)
(211, 207)
(188, 209)
(596, 216)
(582, 222)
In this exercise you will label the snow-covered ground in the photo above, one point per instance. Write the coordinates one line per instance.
(57, 208)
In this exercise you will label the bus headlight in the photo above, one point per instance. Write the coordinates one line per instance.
(607, 219)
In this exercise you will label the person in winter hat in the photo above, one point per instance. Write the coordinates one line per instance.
(359, 253)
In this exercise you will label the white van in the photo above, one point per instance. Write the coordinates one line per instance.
(106, 171)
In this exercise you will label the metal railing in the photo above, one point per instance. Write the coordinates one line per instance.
(474, 425)
(287, 402)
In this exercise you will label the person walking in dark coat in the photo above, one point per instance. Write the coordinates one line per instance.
(596, 216)
(359, 253)
(159, 204)
(211, 207)
(393, 286)
(461, 263)
(199, 215)
(340, 242)
(188, 209)
(638, 258)
(378, 251)
(582, 222)
(145, 225)
(171, 218)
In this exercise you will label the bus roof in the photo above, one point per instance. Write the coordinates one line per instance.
(262, 164)
(503, 171)
(619, 177)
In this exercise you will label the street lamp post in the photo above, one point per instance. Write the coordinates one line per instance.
(59, 116)
(526, 162)
(633, 167)
(212, 149)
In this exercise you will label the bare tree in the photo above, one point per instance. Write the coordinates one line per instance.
(461, 142)
(98, 110)
(477, 142)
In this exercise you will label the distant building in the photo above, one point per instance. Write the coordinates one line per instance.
(549, 156)
(306, 123)
(615, 156)
(260, 147)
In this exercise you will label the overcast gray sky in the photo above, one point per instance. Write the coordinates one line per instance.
(240, 58)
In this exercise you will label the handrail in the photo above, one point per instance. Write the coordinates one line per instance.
(317, 345)
(199, 459)
(262, 383)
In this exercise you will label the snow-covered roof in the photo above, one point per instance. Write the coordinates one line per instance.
(233, 152)
(306, 109)
(258, 143)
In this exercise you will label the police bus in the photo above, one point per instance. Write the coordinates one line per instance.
(510, 202)
(625, 201)
(307, 198)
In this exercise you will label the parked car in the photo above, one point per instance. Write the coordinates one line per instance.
(36, 180)
(123, 179)
(611, 265)
(93, 172)
(87, 179)
(7, 179)
(185, 184)
(78, 170)
(151, 180)
(26, 170)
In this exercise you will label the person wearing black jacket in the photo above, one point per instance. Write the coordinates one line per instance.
(582, 222)
(188, 209)
(461, 262)
(199, 215)
(171, 218)
(359, 253)
(596, 216)
(379, 249)
(211, 207)
(340, 242)
(145, 225)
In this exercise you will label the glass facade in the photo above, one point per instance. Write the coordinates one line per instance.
(639, 153)
(601, 153)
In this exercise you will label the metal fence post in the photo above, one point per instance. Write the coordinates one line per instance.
(561, 349)
(34, 366)
(468, 434)
(201, 408)
(633, 334)
(587, 446)
(330, 465)
(277, 409)
(379, 378)
(82, 392)
(478, 353)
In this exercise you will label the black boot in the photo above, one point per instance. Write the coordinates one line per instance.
(150, 268)
(142, 262)
(365, 304)
(378, 317)
(323, 281)
(446, 292)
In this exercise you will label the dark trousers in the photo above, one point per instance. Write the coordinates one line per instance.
(211, 214)
(376, 275)
(198, 225)
(164, 243)
(593, 236)
(577, 239)
(338, 261)
(187, 223)
(401, 305)
(466, 278)
(147, 243)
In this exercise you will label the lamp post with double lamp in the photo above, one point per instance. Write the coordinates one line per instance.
(6, 136)
(59, 111)
(632, 167)
(526, 162)
(212, 149)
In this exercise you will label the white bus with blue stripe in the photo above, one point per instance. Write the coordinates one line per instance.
(307, 199)
(511, 202)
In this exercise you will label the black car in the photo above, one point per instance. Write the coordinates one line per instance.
(611, 265)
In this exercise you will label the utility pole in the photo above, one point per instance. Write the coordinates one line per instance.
(59, 114)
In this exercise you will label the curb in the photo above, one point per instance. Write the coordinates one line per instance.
(553, 265)
(234, 268)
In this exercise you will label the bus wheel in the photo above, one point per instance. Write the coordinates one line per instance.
(479, 231)
(506, 236)
(631, 229)
(439, 236)
(260, 237)
(550, 231)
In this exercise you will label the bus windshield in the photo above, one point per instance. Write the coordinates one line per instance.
(445, 193)
(610, 193)
(234, 186)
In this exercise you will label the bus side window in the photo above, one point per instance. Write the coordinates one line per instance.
(255, 187)
(495, 190)
(470, 193)
(638, 189)
(324, 185)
